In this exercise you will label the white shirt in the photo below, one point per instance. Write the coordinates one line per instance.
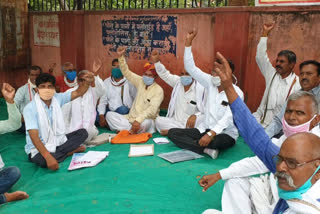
(184, 102)
(218, 117)
(112, 96)
(23, 96)
(279, 90)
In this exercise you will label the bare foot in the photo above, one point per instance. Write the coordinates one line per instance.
(164, 132)
(77, 150)
(15, 196)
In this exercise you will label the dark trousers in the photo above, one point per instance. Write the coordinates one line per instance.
(8, 177)
(189, 139)
(75, 139)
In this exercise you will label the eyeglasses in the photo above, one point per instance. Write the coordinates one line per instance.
(291, 163)
(81, 80)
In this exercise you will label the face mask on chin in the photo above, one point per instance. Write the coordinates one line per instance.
(46, 93)
(290, 130)
(148, 80)
(296, 194)
(216, 81)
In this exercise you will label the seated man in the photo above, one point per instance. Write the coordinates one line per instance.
(217, 131)
(186, 107)
(26, 92)
(309, 78)
(47, 143)
(81, 112)
(301, 116)
(146, 105)
(118, 96)
(68, 79)
(280, 80)
(295, 164)
(10, 175)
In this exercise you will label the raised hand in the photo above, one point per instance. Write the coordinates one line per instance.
(155, 56)
(121, 51)
(52, 66)
(8, 92)
(267, 28)
(89, 77)
(96, 65)
(190, 37)
(209, 180)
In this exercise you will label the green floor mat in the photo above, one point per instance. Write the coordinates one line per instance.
(119, 184)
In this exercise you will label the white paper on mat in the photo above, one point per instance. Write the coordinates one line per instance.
(161, 140)
(141, 150)
(89, 159)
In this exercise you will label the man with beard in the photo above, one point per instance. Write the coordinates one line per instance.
(280, 80)
(309, 80)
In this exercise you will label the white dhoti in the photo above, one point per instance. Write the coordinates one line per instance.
(118, 122)
(92, 133)
(248, 195)
(166, 123)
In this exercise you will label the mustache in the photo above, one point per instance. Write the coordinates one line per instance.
(287, 177)
(305, 80)
(278, 66)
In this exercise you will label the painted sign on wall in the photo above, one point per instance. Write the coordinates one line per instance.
(141, 34)
(46, 30)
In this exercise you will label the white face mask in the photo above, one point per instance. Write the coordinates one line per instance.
(216, 81)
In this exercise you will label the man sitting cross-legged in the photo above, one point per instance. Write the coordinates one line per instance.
(301, 116)
(186, 107)
(47, 143)
(10, 175)
(295, 164)
(217, 131)
(146, 105)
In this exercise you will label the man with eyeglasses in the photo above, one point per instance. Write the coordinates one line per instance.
(295, 164)
(186, 107)
(68, 79)
(217, 131)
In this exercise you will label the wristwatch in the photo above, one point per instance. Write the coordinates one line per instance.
(210, 134)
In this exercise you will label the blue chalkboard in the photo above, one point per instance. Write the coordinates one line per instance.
(141, 34)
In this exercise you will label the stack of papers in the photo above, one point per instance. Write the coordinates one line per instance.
(141, 150)
(89, 159)
(180, 155)
(161, 140)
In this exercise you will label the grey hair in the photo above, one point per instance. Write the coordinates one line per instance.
(298, 94)
(83, 72)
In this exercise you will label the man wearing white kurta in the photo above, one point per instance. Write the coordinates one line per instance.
(260, 195)
(118, 96)
(280, 80)
(217, 131)
(186, 107)
(81, 112)
(146, 105)
(26, 92)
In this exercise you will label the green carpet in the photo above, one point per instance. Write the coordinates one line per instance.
(119, 184)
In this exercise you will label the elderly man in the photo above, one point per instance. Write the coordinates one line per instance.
(295, 164)
(280, 80)
(10, 175)
(186, 107)
(81, 112)
(68, 79)
(118, 96)
(309, 80)
(47, 143)
(26, 92)
(146, 105)
(259, 195)
(217, 131)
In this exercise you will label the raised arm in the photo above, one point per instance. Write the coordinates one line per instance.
(262, 58)
(14, 116)
(135, 79)
(161, 70)
(252, 132)
(82, 89)
(203, 78)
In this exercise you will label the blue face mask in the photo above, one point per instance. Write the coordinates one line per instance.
(296, 194)
(71, 75)
(116, 73)
(147, 80)
(186, 80)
